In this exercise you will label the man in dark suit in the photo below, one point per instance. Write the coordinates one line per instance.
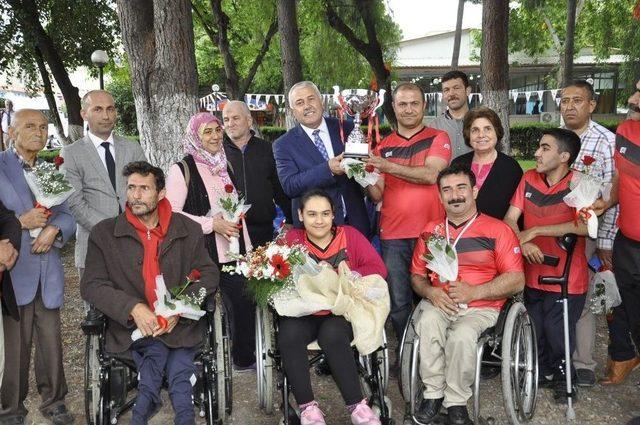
(308, 156)
(10, 235)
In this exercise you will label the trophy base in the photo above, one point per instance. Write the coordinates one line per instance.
(356, 150)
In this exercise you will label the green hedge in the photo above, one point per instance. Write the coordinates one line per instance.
(270, 133)
(48, 155)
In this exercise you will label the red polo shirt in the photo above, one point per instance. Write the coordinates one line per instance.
(627, 160)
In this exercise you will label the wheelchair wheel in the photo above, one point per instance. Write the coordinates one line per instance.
(91, 379)
(519, 365)
(411, 386)
(264, 359)
(224, 385)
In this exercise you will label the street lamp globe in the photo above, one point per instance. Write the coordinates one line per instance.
(99, 58)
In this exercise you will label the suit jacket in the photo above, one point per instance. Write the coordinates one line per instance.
(9, 229)
(34, 270)
(94, 198)
(301, 167)
(113, 282)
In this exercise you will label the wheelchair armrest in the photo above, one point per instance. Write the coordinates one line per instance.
(94, 322)
(210, 303)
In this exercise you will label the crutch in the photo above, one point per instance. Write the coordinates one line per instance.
(567, 242)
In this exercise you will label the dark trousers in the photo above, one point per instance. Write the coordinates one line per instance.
(38, 326)
(545, 310)
(397, 254)
(334, 336)
(621, 347)
(242, 315)
(626, 267)
(152, 358)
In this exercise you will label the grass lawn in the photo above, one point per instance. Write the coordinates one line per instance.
(527, 164)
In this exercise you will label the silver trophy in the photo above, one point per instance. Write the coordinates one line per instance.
(359, 103)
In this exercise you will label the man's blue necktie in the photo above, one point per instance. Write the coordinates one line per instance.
(320, 144)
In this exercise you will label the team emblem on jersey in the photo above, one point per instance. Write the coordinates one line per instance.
(516, 250)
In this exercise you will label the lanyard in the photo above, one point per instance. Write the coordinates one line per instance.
(464, 229)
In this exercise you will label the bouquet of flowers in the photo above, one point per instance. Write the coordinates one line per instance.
(605, 293)
(441, 259)
(585, 190)
(233, 209)
(270, 269)
(364, 174)
(49, 186)
(176, 302)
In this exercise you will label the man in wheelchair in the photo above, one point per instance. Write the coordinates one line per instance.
(125, 254)
(539, 197)
(454, 314)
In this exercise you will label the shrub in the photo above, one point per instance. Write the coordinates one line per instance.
(48, 155)
(270, 133)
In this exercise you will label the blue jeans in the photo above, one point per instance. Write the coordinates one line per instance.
(397, 254)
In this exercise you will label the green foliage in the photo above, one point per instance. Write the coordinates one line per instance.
(120, 88)
(48, 155)
(76, 27)
(270, 133)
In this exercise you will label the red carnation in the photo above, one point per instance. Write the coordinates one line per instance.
(281, 269)
(369, 168)
(194, 276)
(162, 322)
(228, 188)
(588, 160)
(58, 161)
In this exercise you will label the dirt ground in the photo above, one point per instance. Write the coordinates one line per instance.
(597, 405)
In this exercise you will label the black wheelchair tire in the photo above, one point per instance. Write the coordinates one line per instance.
(90, 408)
(224, 383)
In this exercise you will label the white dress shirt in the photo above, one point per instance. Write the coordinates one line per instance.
(324, 136)
(97, 142)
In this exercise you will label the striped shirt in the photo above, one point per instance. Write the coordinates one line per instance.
(600, 143)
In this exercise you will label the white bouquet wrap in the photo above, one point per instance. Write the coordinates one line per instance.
(365, 175)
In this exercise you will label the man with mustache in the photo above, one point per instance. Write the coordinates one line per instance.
(308, 156)
(547, 217)
(409, 161)
(626, 247)
(577, 103)
(455, 92)
(490, 269)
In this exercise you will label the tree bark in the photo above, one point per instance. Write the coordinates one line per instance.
(458, 35)
(51, 100)
(370, 50)
(289, 51)
(495, 62)
(158, 38)
(27, 12)
(567, 62)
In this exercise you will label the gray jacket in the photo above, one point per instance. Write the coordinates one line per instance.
(94, 198)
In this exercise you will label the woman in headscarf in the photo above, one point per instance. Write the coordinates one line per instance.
(194, 186)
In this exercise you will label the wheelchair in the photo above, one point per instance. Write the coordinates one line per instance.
(373, 371)
(510, 344)
(109, 378)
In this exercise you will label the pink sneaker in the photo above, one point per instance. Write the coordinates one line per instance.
(312, 415)
(363, 415)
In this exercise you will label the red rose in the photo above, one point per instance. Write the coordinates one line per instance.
(58, 161)
(228, 188)
(162, 322)
(194, 276)
(425, 236)
(588, 160)
(281, 269)
(369, 168)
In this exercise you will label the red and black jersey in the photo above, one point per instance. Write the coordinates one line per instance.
(486, 249)
(334, 253)
(542, 205)
(627, 160)
(407, 207)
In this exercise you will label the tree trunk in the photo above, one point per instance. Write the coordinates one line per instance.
(567, 63)
(221, 22)
(158, 38)
(28, 14)
(289, 51)
(495, 62)
(458, 35)
(51, 100)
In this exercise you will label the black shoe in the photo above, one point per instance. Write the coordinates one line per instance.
(560, 393)
(458, 415)
(428, 409)
(322, 368)
(59, 415)
(12, 420)
(544, 382)
(489, 372)
(394, 369)
(585, 378)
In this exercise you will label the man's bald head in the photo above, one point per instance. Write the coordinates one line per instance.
(99, 111)
(29, 130)
(237, 120)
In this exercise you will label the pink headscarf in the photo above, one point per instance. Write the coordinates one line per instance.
(192, 144)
